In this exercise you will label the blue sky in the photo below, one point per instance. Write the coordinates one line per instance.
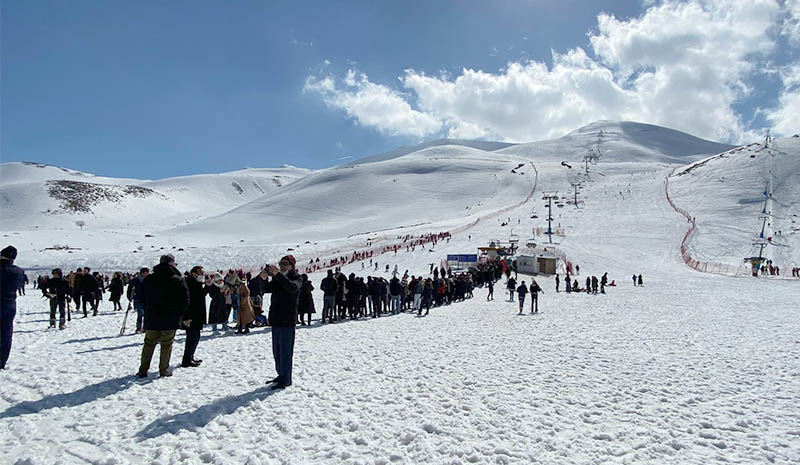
(153, 89)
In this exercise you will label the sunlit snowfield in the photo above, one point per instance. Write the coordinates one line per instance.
(690, 368)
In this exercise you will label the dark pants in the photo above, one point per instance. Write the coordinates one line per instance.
(152, 337)
(61, 306)
(6, 332)
(192, 339)
(89, 297)
(283, 351)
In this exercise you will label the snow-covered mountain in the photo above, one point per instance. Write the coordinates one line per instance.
(34, 196)
(621, 141)
(726, 194)
(255, 212)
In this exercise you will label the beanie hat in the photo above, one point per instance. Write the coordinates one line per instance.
(10, 253)
(290, 259)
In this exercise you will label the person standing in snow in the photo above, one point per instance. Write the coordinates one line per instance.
(10, 280)
(511, 285)
(285, 289)
(329, 288)
(218, 311)
(135, 295)
(88, 287)
(640, 280)
(522, 290)
(195, 316)
(75, 284)
(24, 283)
(634, 279)
(588, 285)
(305, 306)
(166, 299)
(568, 283)
(535, 290)
(490, 283)
(558, 281)
(115, 288)
(57, 290)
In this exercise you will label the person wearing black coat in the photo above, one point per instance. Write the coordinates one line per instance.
(535, 290)
(57, 290)
(166, 298)
(195, 314)
(11, 278)
(88, 287)
(115, 288)
(285, 289)
(305, 305)
(329, 288)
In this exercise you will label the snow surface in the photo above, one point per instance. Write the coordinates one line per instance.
(692, 368)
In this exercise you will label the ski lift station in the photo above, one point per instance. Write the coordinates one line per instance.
(537, 261)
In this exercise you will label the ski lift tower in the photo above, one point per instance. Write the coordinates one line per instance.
(549, 197)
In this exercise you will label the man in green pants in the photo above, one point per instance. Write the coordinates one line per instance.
(166, 298)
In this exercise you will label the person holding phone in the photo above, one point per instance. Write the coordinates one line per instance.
(285, 288)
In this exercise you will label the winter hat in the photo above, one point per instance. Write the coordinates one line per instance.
(10, 253)
(288, 258)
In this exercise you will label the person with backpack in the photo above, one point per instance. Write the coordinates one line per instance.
(522, 290)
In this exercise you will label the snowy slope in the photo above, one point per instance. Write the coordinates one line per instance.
(428, 186)
(487, 146)
(36, 196)
(621, 141)
(725, 194)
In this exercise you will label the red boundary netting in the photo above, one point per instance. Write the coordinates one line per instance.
(688, 259)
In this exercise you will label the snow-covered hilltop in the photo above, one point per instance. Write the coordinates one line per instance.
(437, 186)
(726, 195)
(37, 196)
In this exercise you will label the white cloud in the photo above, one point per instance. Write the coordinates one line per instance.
(785, 118)
(791, 24)
(681, 64)
(373, 105)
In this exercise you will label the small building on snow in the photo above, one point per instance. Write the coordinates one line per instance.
(537, 261)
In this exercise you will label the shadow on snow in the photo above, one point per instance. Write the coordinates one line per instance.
(197, 419)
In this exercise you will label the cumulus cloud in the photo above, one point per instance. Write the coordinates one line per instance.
(373, 105)
(681, 64)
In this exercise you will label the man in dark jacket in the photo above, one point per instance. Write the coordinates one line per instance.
(88, 287)
(136, 295)
(285, 289)
(329, 288)
(57, 290)
(195, 316)
(166, 298)
(11, 278)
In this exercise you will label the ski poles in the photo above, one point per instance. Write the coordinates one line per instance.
(125, 319)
